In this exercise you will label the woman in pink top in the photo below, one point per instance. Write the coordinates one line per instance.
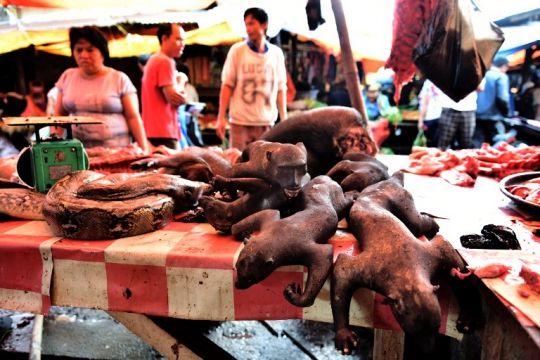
(95, 90)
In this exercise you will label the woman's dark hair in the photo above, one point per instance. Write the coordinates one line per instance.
(258, 14)
(92, 35)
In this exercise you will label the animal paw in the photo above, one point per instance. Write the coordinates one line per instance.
(467, 323)
(245, 235)
(346, 340)
(143, 164)
(293, 294)
(457, 273)
(193, 216)
(218, 182)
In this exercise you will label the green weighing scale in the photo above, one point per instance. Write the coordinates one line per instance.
(46, 160)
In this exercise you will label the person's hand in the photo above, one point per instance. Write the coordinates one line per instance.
(421, 125)
(164, 151)
(12, 94)
(178, 98)
(182, 79)
(221, 127)
(149, 148)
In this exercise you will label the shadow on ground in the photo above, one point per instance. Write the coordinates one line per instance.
(72, 333)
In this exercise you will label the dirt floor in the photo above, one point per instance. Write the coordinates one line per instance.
(71, 333)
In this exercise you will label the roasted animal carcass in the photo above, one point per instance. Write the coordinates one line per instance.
(270, 175)
(357, 171)
(192, 163)
(299, 239)
(327, 133)
(393, 262)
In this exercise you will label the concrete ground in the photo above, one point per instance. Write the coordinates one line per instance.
(70, 333)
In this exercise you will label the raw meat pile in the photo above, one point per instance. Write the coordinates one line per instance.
(8, 166)
(114, 159)
(461, 167)
(491, 270)
(531, 277)
(528, 191)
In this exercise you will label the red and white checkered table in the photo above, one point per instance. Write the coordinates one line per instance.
(185, 270)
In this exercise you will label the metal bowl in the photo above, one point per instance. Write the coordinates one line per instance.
(517, 179)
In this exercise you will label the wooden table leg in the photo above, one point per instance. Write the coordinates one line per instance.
(158, 338)
(388, 345)
(191, 333)
(503, 337)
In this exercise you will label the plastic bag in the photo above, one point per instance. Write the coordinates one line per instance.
(421, 139)
(456, 47)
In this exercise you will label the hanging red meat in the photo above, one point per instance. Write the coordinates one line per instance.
(409, 19)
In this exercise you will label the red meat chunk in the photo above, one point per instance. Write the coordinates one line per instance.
(531, 277)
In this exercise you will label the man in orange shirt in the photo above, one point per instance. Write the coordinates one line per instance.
(163, 90)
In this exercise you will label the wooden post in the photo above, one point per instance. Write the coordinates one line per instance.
(388, 345)
(347, 60)
(294, 53)
(158, 338)
(37, 338)
(526, 68)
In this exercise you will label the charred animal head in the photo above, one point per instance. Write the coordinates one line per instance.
(422, 314)
(355, 139)
(217, 213)
(253, 265)
(287, 166)
(196, 172)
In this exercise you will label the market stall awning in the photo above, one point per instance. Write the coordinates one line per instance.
(370, 31)
(15, 40)
(131, 45)
(520, 37)
(49, 19)
(80, 4)
(518, 58)
(218, 34)
(520, 19)
(24, 20)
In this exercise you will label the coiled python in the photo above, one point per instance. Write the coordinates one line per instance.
(89, 205)
(20, 201)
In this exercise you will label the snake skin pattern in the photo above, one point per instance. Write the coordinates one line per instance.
(89, 205)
